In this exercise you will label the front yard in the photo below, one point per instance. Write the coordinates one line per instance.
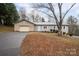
(37, 43)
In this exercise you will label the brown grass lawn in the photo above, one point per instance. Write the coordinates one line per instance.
(6, 29)
(49, 44)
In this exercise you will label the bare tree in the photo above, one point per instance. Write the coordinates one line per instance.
(50, 6)
(23, 15)
(35, 17)
(43, 20)
(72, 21)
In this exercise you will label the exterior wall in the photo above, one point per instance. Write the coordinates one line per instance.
(41, 28)
(24, 23)
(38, 27)
(65, 29)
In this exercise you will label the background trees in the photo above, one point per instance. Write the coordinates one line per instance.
(8, 14)
(22, 14)
(72, 21)
(34, 16)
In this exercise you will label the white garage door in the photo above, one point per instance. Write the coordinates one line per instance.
(24, 29)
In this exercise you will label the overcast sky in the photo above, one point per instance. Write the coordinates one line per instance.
(74, 11)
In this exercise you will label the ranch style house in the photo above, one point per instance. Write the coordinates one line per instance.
(24, 25)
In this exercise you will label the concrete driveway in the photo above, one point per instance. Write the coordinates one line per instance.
(10, 43)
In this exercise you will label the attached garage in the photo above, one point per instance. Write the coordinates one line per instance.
(24, 29)
(24, 26)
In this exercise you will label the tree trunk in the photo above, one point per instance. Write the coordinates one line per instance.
(60, 32)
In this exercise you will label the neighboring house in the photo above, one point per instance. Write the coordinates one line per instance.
(25, 25)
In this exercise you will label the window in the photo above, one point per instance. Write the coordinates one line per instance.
(51, 30)
(54, 27)
(64, 27)
(45, 27)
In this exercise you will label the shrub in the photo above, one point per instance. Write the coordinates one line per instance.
(56, 31)
(51, 30)
(64, 33)
(70, 34)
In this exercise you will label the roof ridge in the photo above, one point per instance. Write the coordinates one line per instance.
(24, 20)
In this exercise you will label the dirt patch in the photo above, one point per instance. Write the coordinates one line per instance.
(41, 44)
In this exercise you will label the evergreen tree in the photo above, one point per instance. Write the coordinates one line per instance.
(8, 14)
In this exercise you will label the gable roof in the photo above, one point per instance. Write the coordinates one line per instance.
(41, 23)
(24, 20)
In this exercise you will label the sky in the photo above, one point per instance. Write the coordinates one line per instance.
(74, 11)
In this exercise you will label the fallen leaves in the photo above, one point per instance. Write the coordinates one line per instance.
(43, 44)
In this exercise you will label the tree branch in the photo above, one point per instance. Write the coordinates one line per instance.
(52, 9)
(45, 13)
(68, 10)
(40, 6)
